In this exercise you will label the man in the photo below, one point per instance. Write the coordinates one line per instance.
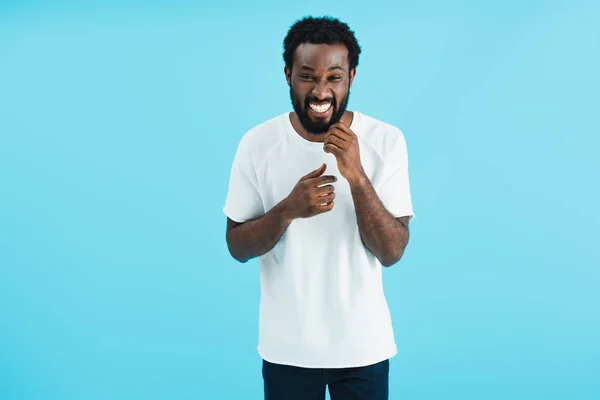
(322, 196)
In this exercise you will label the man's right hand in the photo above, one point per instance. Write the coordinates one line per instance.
(258, 236)
(309, 198)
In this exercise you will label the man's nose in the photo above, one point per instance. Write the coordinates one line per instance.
(321, 90)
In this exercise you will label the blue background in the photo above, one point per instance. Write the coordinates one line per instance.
(118, 126)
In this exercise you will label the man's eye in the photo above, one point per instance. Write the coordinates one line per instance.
(306, 76)
(335, 78)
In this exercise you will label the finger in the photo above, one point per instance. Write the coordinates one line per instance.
(344, 131)
(322, 180)
(314, 174)
(333, 149)
(323, 208)
(336, 140)
(326, 199)
(343, 127)
(336, 132)
(324, 190)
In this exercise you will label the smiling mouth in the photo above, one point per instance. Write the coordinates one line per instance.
(320, 108)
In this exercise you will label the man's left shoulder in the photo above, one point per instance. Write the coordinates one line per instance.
(379, 134)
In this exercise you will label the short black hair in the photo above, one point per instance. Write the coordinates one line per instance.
(321, 30)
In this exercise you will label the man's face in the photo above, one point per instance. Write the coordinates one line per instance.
(320, 81)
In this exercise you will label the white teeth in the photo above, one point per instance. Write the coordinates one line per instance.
(320, 108)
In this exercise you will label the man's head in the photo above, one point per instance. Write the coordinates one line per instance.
(321, 55)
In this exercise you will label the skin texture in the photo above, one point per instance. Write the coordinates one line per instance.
(321, 73)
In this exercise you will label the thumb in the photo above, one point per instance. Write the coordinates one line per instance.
(316, 173)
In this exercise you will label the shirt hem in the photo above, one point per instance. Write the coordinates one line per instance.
(333, 365)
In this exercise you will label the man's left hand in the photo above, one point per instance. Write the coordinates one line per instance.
(343, 144)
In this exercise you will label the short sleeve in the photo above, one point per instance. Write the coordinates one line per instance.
(243, 201)
(394, 190)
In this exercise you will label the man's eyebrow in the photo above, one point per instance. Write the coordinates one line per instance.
(334, 68)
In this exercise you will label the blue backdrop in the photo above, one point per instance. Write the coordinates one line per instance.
(118, 124)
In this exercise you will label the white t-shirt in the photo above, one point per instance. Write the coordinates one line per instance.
(322, 301)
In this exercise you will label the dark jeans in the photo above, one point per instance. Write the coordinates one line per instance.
(284, 382)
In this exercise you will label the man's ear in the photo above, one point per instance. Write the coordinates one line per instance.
(352, 73)
(288, 75)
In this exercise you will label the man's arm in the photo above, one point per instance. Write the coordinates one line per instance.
(258, 236)
(385, 236)
(312, 195)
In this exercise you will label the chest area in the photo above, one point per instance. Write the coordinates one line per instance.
(281, 171)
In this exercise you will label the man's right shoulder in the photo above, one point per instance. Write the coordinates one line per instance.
(264, 135)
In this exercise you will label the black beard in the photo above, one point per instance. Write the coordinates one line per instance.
(317, 128)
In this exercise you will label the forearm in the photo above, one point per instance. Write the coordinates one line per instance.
(381, 233)
(256, 237)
